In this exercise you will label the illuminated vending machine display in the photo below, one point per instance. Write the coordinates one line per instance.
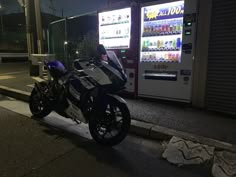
(165, 69)
(115, 29)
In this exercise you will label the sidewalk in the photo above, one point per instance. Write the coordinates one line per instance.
(57, 147)
(151, 114)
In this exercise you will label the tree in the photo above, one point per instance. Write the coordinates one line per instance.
(87, 47)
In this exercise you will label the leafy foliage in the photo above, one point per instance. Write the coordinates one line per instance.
(87, 47)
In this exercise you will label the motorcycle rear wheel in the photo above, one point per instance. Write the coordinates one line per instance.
(112, 126)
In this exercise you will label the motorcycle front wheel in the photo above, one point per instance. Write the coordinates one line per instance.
(110, 126)
(38, 104)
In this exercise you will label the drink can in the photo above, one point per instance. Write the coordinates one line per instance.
(166, 56)
(144, 44)
(166, 44)
(171, 28)
(173, 57)
(174, 44)
(158, 44)
(154, 43)
(163, 28)
(162, 44)
(177, 57)
(170, 46)
(174, 27)
(147, 43)
(178, 43)
(167, 28)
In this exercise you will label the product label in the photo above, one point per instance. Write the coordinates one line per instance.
(160, 66)
(164, 11)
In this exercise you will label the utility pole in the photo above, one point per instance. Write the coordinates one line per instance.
(28, 28)
(1, 14)
(27, 5)
(39, 26)
(62, 12)
(2, 24)
(33, 31)
(1, 18)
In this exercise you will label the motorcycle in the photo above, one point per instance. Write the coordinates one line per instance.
(86, 94)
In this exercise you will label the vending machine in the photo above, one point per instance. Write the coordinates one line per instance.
(117, 32)
(166, 54)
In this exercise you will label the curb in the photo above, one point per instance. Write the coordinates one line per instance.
(14, 93)
(143, 129)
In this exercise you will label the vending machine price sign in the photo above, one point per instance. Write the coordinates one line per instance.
(115, 28)
(161, 32)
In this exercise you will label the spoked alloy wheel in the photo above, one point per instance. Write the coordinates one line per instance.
(110, 127)
(39, 105)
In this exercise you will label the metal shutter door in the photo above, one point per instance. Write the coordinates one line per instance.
(221, 79)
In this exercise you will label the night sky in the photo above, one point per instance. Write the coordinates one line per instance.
(59, 7)
(56, 7)
(72, 7)
(9, 6)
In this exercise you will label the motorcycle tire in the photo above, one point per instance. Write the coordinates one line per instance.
(112, 141)
(37, 104)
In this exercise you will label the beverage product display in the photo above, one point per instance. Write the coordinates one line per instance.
(161, 57)
(153, 44)
(161, 33)
(163, 27)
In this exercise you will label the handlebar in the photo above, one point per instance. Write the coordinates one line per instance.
(93, 62)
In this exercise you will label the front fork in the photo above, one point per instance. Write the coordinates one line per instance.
(43, 89)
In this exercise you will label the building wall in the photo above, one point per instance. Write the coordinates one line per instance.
(201, 53)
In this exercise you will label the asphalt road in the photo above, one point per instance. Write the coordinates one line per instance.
(56, 147)
(16, 75)
(13, 67)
